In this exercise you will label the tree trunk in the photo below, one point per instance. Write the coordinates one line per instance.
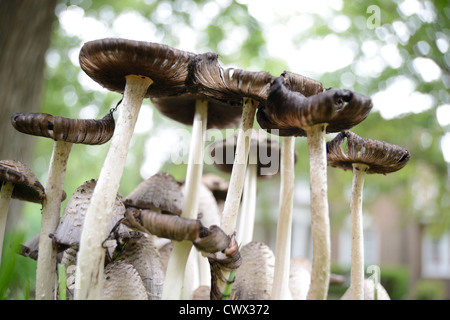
(24, 39)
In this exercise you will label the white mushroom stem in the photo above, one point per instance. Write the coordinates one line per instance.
(90, 260)
(51, 211)
(320, 220)
(280, 288)
(175, 272)
(248, 209)
(5, 199)
(233, 199)
(356, 231)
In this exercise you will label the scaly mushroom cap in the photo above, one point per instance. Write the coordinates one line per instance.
(145, 258)
(264, 152)
(68, 232)
(26, 185)
(254, 277)
(379, 156)
(84, 131)
(292, 113)
(121, 281)
(160, 192)
(369, 291)
(109, 61)
(230, 85)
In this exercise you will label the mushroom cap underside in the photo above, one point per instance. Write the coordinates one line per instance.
(182, 109)
(108, 62)
(26, 185)
(380, 156)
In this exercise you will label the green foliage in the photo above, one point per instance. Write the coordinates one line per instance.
(17, 273)
(395, 280)
(428, 289)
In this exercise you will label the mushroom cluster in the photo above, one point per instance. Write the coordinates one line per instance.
(172, 239)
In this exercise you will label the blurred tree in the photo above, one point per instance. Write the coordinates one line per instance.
(26, 29)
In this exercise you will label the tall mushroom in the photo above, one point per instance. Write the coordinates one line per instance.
(17, 182)
(263, 163)
(363, 156)
(240, 88)
(137, 69)
(65, 132)
(294, 114)
(307, 87)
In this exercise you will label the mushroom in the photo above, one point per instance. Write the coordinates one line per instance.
(294, 114)
(65, 132)
(17, 182)
(71, 225)
(160, 192)
(370, 293)
(254, 278)
(280, 290)
(122, 282)
(363, 156)
(263, 163)
(245, 89)
(143, 255)
(137, 69)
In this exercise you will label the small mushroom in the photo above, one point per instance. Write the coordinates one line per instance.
(65, 132)
(294, 114)
(254, 278)
(160, 192)
(146, 259)
(122, 282)
(370, 293)
(263, 163)
(363, 156)
(70, 226)
(17, 182)
(137, 69)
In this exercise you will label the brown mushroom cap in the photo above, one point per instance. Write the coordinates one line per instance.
(109, 61)
(264, 148)
(85, 131)
(379, 156)
(26, 185)
(68, 232)
(292, 113)
(182, 107)
(160, 192)
(229, 85)
(304, 85)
